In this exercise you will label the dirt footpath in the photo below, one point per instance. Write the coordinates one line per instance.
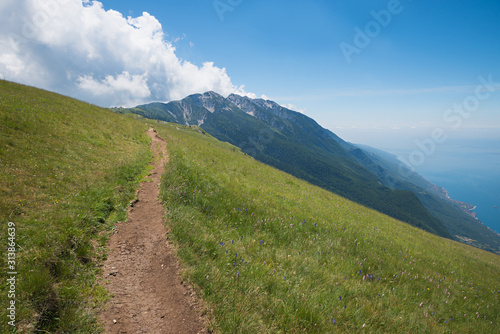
(142, 272)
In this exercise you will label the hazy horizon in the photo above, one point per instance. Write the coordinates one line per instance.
(466, 163)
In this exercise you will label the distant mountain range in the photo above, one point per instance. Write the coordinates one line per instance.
(296, 144)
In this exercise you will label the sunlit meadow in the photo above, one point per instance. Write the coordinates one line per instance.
(271, 253)
(67, 172)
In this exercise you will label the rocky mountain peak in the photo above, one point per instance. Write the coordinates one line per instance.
(208, 100)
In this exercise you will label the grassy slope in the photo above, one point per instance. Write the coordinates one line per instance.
(297, 145)
(271, 253)
(67, 171)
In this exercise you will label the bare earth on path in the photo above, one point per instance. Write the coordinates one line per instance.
(142, 272)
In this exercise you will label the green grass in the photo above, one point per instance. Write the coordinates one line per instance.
(273, 254)
(67, 172)
(267, 252)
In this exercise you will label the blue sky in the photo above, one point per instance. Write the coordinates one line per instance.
(427, 57)
(416, 61)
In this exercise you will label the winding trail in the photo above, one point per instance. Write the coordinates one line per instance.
(142, 272)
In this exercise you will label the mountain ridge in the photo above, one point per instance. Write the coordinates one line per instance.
(297, 144)
(457, 216)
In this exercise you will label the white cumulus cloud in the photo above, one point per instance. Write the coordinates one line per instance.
(78, 48)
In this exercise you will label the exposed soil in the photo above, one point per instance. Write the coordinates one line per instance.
(142, 272)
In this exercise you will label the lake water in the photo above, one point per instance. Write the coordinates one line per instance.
(467, 163)
(470, 171)
(481, 190)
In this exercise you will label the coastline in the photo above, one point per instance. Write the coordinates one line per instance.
(464, 206)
